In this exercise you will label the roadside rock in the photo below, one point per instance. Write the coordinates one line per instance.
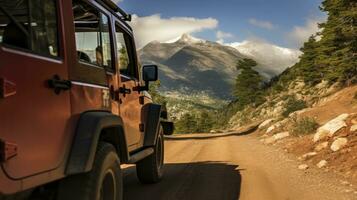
(322, 164)
(321, 146)
(303, 167)
(213, 131)
(280, 136)
(265, 123)
(308, 155)
(331, 127)
(276, 137)
(354, 128)
(270, 129)
(354, 121)
(338, 144)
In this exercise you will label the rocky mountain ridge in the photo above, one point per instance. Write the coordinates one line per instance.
(191, 65)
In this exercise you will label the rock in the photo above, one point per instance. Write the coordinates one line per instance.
(280, 136)
(309, 155)
(322, 164)
(265, 123)
(338, 144)
(303, 167)
(270, 129)
(354, 121)
(213, 131)
(321, 146)
(276, 137)
(331, 127)
(353, 128)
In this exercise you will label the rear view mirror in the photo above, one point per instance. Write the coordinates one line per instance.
(150, 73)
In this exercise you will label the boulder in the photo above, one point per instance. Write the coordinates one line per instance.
(338, 144)
(321, 146)
(354, 128)
(303, 167)
(331, 127)
(322, 164)
(265, 123)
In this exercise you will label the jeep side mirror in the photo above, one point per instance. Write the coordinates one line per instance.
(150, 74)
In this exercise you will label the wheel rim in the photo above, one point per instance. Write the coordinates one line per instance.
(108, 188)
(160, 152)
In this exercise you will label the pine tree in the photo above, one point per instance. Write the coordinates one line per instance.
(338, 45)
(248, 83)
(307, 67)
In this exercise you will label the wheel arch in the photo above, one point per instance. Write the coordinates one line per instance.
(92, 127)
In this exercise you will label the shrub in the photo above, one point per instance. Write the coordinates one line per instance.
(304, 126)
(293, 105)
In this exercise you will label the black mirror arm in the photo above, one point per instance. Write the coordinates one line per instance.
(143, 88)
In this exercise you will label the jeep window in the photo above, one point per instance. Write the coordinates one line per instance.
(92, 35)
(126, 66)
(30, 25)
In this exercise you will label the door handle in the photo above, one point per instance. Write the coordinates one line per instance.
(58, 85)
(124, 91)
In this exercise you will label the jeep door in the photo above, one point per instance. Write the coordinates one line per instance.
(34, 116)
(130, 105)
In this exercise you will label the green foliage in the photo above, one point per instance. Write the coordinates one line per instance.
(155, 94)
(200, 122)
(248, 88)
(338, 45)
(304, 126)
(293, 105)
(332, 58)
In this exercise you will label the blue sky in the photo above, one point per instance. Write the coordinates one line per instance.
(279, 22)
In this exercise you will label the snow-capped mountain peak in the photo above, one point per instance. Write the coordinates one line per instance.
(186, 38)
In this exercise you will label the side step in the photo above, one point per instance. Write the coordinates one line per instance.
(141, 155)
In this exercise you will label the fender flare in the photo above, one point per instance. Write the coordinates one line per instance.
(89, 131)
(153, 112)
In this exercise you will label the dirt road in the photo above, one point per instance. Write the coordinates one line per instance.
(234, 167)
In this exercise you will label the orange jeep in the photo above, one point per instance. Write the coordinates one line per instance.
(74, 104)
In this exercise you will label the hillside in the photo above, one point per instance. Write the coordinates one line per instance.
(310, 110)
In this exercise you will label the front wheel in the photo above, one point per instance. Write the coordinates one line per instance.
(104, 182)
(150, 169)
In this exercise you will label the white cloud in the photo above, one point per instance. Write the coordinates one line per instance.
(156, 28)
(261, 24)
(273, 59)
(223, 35)
(300, 34)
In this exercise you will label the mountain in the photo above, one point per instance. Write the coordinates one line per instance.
(191, 65)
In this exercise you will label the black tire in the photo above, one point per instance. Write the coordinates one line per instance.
(150, 169)
(104, 182)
